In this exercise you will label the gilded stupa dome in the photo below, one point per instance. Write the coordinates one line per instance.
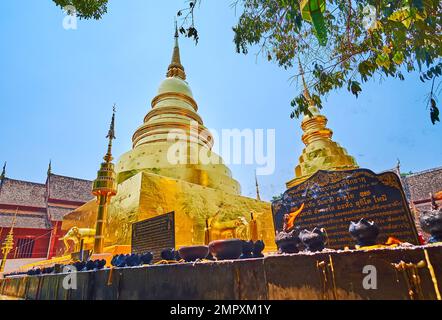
(174, 109)
(175, 84)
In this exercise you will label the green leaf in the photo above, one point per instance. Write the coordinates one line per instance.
(434, 112)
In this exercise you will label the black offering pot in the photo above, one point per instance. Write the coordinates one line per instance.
(258, 248)
(431, 222)
(230, 249)
(247, 248)
(288, 242)
(314, 241)
(364, 232)
(193, 253)
(168, 254)
(146, 258)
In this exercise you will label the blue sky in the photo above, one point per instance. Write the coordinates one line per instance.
(57, 88)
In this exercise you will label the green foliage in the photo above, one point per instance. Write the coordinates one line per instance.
(403, 35)
(367, 39)
(434, 111)
(188, 19)
(277, 198)
(85, 9)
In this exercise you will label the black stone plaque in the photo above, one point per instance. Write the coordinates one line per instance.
(154, 235)
(332, 199)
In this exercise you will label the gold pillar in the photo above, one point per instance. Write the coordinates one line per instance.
(105, 187)
(101, 218)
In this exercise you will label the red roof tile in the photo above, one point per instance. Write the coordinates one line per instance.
(23, 193)
(70, 189)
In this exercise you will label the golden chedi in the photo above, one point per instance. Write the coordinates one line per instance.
(175, 109)
(320, 152)
(203, 195)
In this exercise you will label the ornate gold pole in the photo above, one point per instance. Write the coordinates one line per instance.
(105, 187)
(8, 244)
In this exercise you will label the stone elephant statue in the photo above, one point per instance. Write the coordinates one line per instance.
(76, 234)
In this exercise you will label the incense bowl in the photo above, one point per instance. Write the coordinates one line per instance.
(314, 241)
(193, 253)
(288, 242)
(247, 248)
(364, 232)
(230, 249)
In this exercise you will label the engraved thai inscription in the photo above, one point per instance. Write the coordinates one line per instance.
(154, 235)
(333, 199)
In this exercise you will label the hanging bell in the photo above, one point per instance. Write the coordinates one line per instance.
(313, 11)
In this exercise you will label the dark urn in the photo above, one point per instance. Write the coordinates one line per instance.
(288, 242)
(133, 260)
(431, 222)
(364, 232)
(100, 264)
(119, 261)
(247, 250)
(90, 265)
(193, 253)
(170, 255)
(146, 258)
(313, 241)
(79, 265)
(258, 248)
(230, 249)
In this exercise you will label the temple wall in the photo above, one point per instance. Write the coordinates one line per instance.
(290, 277)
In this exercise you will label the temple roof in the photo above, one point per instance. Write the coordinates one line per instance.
(64, 194)
(421, 184)
(69, 189)
(26, 221)
(23, 193)
(58, 213)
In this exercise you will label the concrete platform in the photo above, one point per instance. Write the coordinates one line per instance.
(322, 276)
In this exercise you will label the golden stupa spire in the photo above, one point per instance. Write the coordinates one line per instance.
(111, 136)
(258, 196)
(313, 109)
(321, 152)
(176, 69)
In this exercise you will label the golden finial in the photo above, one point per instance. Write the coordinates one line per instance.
(176, 30)
(176, 69)
(307, 95)
(111, 136)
